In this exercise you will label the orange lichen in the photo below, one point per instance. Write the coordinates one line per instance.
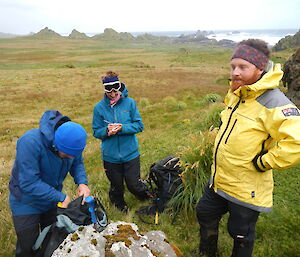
(75, 237)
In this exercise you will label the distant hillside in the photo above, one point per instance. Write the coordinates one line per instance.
(288, 42)
(111, 34)
(48, 33)
(77, 35)
(7, 35)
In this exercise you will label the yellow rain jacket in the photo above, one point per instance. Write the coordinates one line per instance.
(259, 121)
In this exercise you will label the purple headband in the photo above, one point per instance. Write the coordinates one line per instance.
(110, 80)
(252, 55)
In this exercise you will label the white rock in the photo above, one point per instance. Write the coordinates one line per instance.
(89, 242)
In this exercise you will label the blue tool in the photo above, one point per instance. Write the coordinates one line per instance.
(97, 211)
(91, 203)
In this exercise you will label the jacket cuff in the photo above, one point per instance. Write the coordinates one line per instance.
(62, 197)
(259, 164)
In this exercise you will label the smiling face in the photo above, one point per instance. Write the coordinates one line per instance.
(243, 73)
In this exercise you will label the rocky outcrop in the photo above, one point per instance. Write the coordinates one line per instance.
(288, 42)
(119, 239)
(77, 35)
(111, 34)
(201, 38)
(227, 43)
(46, 32)
(291, 77)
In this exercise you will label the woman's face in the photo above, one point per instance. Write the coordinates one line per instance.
(112, 95)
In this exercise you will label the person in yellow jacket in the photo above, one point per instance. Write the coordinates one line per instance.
(259, 132)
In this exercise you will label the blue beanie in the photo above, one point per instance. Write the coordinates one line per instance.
(108, 80)
(70, 138)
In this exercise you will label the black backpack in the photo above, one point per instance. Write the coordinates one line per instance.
(67, 221)
(164, 179)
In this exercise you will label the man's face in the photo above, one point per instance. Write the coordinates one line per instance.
(243, 73)
(112, 95)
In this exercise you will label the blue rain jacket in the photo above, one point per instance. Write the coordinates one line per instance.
(123, 146)
(38, 172)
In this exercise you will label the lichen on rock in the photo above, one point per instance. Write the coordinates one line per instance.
(119, 239)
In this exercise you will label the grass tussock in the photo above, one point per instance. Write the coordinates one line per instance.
(196, 163)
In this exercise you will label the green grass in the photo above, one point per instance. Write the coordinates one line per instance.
(178, 97)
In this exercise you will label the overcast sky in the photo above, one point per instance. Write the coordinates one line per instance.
(93, 16)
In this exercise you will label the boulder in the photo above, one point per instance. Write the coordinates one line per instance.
(291, 77)
(119, 239)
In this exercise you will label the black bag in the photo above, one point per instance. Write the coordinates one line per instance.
(68, 220)
(164, 179)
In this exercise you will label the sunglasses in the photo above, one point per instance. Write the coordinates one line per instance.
(108, 87)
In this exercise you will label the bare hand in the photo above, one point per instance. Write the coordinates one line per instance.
(114, 128)
(83, 190)
(66, 202)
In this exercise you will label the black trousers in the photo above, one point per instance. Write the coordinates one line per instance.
(128, 172)
(28, 228)
(241, 224)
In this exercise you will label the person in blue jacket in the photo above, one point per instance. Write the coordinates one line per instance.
(44, 156)
(116, 121)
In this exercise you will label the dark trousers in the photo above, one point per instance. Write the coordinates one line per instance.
(128, 172)
(28, 228)
(241, 224)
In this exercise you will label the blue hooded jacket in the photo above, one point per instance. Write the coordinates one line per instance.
(38, 172)
(123, 146)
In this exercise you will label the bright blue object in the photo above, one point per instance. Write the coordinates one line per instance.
(70, 138)
(91, 203)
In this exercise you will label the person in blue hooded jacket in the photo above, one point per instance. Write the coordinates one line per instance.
(116, 121)
(44, 156)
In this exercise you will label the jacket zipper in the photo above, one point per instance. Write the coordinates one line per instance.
(230, 131)
(216, 151)
(118, 141)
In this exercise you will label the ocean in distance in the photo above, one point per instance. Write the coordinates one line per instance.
(271, 36)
